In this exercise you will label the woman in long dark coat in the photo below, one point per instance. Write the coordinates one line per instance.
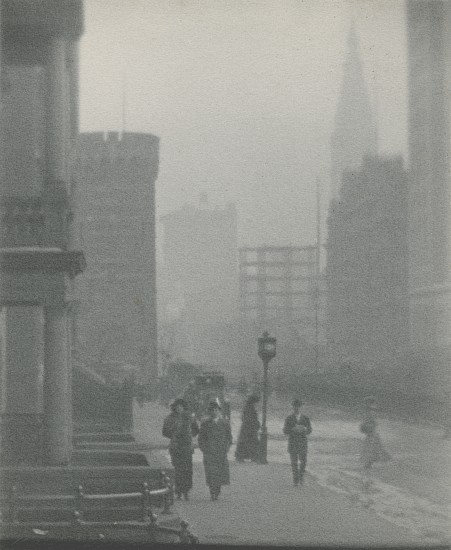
(180, 427)
(215, 439)
(247, 446)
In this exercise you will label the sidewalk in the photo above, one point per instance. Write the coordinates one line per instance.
(262, 507)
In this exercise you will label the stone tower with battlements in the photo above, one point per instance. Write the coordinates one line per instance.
(116, 319)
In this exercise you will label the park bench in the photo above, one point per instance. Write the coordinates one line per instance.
(91, 516)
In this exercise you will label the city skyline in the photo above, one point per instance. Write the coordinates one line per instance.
(242, 96)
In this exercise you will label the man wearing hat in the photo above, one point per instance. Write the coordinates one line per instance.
(297, 427)
(215, 439)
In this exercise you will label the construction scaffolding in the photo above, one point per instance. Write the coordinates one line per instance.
(277, 288)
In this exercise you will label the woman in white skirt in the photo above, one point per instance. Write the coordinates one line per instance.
(372, 449)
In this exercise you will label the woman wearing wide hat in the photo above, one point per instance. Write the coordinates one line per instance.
(215, 439)
(247, 446)
(180, 427)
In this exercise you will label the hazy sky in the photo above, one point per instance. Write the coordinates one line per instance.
(242, 94)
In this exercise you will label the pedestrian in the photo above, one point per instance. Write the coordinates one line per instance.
(372, 448)
(192, 398)
(247, 446)
(297, 427)
(180, 427)
(215, 439)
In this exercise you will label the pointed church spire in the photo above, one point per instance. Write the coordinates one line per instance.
(124, 101)
(353, 41)
(354, 134)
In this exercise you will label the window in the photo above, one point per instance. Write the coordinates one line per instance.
(275, 270)
(275, 285)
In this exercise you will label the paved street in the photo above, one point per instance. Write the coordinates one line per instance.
(405, 501)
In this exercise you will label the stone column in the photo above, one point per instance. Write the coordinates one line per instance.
(57, 394)
(21, 415)
(72, 57)
(73, 62)
(1, 100)
(57, 109)
(69, 323)
(57, 398)
(73, 93)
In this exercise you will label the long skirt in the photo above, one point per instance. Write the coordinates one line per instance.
(247, 446)
(373, 450)
(182, 461)
(216, 470)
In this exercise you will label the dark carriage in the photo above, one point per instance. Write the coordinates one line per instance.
(211, 386)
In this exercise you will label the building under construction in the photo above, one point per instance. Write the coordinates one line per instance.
(280, 292)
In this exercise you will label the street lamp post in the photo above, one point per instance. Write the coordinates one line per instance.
(266, 351)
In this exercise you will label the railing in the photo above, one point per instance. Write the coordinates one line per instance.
(146, 521)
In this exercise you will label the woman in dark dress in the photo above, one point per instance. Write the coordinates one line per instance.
(247, 446)
(180, 427)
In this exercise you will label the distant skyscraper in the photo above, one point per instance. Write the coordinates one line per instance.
(355, 133)
(116, 320)
(429, 39)
(200, 256)
(367, 266)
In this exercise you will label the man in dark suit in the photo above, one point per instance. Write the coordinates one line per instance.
(297, 427)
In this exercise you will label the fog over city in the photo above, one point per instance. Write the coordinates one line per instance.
(243, 97)
(225, 285)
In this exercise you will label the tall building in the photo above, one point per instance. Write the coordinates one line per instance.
(429, 53)
(116, 319)
(279, 292)
(355, 132)
(277, 287)
(200, 256)
(39, 256)
(367, 267)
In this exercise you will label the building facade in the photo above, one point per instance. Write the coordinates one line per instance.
(39, 255)
(281, 292)
(200, 264)
(429, 56)
(116, 320)
(277, 287)
(367, 267)
(355, 132)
